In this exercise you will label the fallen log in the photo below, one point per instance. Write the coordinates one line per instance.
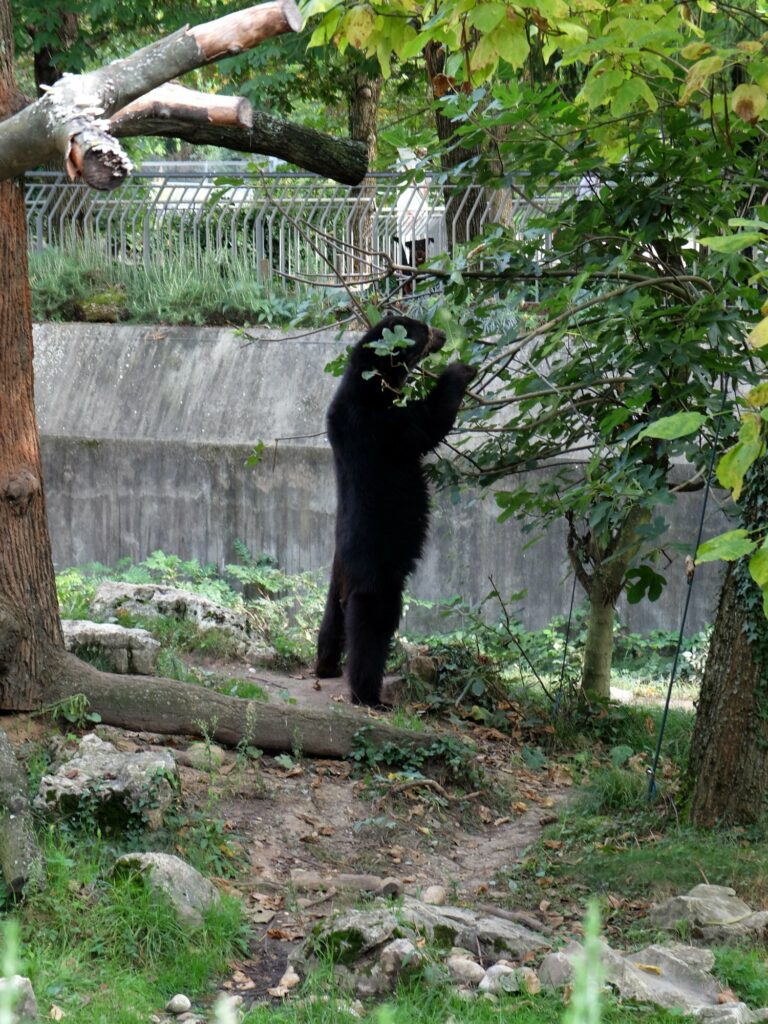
(154, 704)
(21, 862)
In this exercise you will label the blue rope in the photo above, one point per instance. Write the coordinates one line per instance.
(652, 770)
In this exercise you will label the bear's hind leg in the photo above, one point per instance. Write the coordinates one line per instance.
(330, 639)
(370, 623)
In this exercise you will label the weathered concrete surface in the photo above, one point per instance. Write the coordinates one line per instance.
(145, 431)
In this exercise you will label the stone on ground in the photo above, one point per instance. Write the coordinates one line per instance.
(188, 891)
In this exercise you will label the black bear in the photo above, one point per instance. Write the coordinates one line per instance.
(382, 511)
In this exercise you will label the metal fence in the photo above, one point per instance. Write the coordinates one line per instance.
(293, 226)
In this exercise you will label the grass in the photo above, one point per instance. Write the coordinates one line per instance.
(77, 282)
(105, 949)
(429, 999)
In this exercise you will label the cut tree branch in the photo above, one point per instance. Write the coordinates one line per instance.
(69, 119)
(174, 111)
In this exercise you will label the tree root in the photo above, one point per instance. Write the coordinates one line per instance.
(21, 862)
(162, 705)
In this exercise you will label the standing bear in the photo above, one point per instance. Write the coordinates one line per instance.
(382, 513)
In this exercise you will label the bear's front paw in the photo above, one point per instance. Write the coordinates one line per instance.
(462, 373)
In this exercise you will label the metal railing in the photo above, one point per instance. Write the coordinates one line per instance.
(293, 226)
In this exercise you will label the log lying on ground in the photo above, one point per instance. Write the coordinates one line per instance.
(162, 705)
(21, 862)
(176, 112)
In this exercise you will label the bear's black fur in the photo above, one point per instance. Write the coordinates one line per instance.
(382, 511)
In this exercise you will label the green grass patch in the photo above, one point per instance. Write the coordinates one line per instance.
(746, 972)
(429, 1000)
(104, 948)
(76, 281)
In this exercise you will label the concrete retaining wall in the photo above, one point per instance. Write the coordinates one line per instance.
(145, 432)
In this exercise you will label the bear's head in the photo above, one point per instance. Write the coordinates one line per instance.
(393, 347)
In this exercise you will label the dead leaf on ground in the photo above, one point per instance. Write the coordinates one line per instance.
(56, 1012)
(288, 981)
(521, 807)
(286, 933)
(727, 996)
(649, 968)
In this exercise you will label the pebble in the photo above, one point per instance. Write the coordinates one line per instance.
(179, 1004)
(435, 895)
(464, 970)
(500, 978)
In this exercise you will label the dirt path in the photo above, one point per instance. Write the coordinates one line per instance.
(288, 814)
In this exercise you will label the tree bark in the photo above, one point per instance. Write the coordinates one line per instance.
(20, 860)
(363, 110)
(29, 620)
(168, 706)
(66, 120)
(176, 112)
(463, 212)
(728, 764)
(603, 586)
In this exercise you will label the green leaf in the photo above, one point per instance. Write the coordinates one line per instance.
(732, 243)
(512, 42)
(758, 396)
(726, 547)
(734, 465)
(758, 565)
(647, 582)
(681, 424)
(758, 336)
(485, 17)
(748, 102)
(620, 755)
(698, 75)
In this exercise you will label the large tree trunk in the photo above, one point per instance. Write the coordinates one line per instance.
(34, 668)
(728, 764)
(29, 620)
(463, 206)
(363, 109)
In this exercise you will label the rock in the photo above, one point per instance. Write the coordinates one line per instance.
(179, 1004)
(110, 784)
(354, 934)
(500, 978)
(713, 914)
(399, 957)
(673, 977)
(149, 600)
(455, 926)
(205, 756)
(349, 936)
(423, 667)
(125, 650)
(556, 970)
(435, 895)
(465, 971)
(529, 981)
(374, 983)
(189, 893)
(729, 1013)
(25, 1007)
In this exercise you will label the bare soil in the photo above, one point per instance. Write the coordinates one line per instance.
(325, 816)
